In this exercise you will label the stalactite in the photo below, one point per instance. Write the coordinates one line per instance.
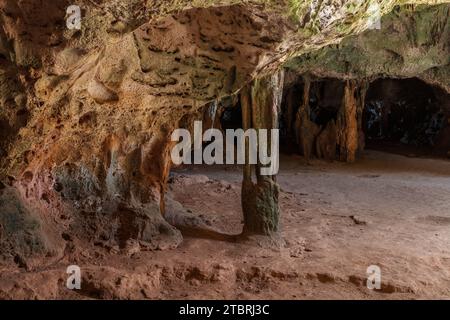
(347, 123)
(213, 112)
(211, 115)
(306, 130)
(260, 110)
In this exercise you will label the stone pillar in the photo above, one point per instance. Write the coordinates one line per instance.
(347, 123)
(260, 110)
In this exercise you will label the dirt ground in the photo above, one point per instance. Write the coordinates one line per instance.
(338, 219)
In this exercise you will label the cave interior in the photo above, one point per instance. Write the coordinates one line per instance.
(404, 116)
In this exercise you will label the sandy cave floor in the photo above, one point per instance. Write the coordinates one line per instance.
(337, 219)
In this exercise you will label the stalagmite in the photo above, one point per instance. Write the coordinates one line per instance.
(260, 108)
(347, 123)
(306, 130)
(326, 142)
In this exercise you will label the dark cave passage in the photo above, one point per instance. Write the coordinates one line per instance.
(231, 117)
(405, 116)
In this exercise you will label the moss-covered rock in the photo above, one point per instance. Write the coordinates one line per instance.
(413, 42)
(21, 235)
